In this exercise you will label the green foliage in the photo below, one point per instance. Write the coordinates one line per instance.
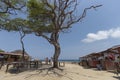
(39, 17)
(16, 25)
(9, 6)
(35, 8)
(2, 50)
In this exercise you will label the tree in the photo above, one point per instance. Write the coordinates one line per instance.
(2, 50)
(18, 25)
(48, 18)
(8, 8)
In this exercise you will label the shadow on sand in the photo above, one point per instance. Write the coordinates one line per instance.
(117, 77)
(16, 71)
(58, 72)
(111, 71)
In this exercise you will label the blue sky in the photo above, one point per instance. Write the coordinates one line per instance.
(98, 31)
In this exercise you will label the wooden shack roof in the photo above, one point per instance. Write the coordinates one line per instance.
(19, 52)
(93, 55)
(114, 50)
(6, 53)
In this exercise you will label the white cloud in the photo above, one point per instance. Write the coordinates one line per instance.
(116, 33)
(100, 35)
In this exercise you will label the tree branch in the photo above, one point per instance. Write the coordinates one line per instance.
(73, 20)
(44, 36)
(10, 6)
(52, 9)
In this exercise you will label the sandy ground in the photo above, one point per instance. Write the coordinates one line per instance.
(71, 72)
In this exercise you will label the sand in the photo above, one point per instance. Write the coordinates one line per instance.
(71, 72)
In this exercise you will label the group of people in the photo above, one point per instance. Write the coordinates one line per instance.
(46, 60)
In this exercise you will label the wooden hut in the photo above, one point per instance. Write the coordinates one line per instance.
(17, 55)
(105, 58)
(93, 59)
(90, 60)
(109, 57)
(4, 56)
(13, 56)
(83, 61)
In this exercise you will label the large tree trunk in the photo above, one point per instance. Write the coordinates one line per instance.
(56, 55)
(55, 43)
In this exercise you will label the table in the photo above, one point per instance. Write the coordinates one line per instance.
(26, 64)
(15, 64)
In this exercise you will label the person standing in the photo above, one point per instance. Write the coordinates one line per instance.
(46, 60)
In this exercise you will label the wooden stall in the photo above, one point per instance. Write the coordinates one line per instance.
(17, 55)
(84, 62)
(12, 56)
(106, 59)
(93, 60)
(110, 56)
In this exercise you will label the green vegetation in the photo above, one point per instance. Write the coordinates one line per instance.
(2, 50)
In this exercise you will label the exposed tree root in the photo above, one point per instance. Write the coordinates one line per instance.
(59, 72)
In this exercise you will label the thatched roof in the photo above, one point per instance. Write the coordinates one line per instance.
(93, 54)
(19, 52)
(113, 50)
(115, 47)
(6, 53)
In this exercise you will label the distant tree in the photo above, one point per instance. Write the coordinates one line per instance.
(2, 50)
(48, 18)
